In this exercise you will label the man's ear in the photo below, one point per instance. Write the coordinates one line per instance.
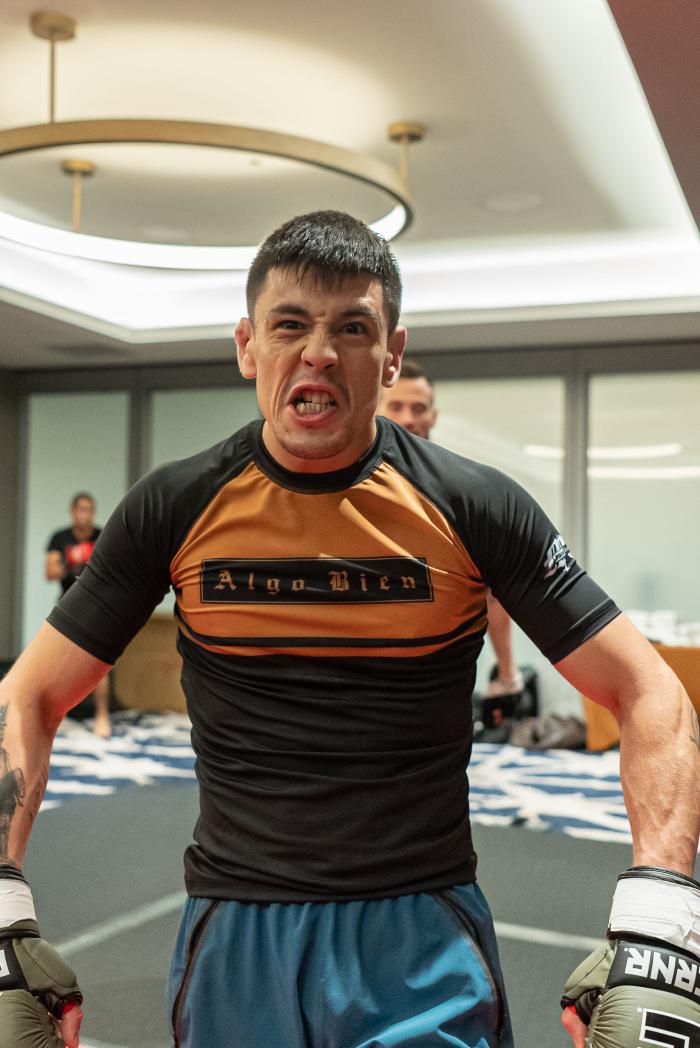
(245, 348)
(396, 345)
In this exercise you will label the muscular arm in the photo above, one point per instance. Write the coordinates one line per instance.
(54, 567)
(50, 677)
(659, 738)
(500, 633)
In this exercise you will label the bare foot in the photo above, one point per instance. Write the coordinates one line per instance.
(102, 727)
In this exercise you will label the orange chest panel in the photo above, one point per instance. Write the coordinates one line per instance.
(377, 566)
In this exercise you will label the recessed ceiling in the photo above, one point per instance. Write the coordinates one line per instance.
(542, 187)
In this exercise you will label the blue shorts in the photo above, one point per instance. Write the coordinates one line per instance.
(417, 970)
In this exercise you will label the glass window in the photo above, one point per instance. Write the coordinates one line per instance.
(76, 442)
(516, 425)
(186, 421)
(644, 491)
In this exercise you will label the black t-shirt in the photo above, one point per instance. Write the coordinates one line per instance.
(329, 627)
(75, 553)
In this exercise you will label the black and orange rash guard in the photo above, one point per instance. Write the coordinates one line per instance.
(329, 630)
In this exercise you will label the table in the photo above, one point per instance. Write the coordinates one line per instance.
(601, 727)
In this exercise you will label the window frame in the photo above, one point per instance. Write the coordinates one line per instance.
(575, 365)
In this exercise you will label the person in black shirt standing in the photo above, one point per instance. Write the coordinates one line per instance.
(67, 554)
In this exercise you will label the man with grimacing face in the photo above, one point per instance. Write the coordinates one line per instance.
(330, 572)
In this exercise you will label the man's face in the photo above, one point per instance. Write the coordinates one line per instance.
(320, 357)
(83, 514)
(410, 403)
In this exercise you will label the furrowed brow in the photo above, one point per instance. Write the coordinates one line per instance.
(287, 308)
(361, 311)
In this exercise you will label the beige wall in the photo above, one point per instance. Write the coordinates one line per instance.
(9, 482)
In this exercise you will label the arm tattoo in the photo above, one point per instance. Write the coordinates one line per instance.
(12, 791)
(695, 729)
(38, 795)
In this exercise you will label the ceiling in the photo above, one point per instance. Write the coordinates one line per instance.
(555, 202)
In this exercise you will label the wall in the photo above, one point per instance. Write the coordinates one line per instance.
(9, 513)
(490, 403)
(75, 442)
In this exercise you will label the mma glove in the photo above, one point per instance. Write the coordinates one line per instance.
(643, 986)
(36, 984)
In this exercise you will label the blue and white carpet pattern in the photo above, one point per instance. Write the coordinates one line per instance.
(571, 791)
(143, 749)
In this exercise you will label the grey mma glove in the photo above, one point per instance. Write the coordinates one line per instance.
(35, 981)
(643, 987)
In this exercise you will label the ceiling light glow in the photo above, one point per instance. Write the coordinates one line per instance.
(543, 451)
(153, 256)
(634, 451)
(644, 472)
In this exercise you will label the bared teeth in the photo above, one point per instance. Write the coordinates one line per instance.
(313, 403)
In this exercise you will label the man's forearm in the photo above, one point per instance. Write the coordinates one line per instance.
(54, 566)
(24, 762)
(49, 678)
(660, 771)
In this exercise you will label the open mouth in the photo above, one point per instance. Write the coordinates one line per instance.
(313, 403)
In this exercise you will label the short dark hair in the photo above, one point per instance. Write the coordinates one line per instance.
(79, 496)
(330, 245)
(412, 369)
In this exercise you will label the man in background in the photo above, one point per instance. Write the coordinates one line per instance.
(67, 554)
(411, 404)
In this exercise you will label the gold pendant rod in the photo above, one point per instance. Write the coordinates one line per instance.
(52, 81)
(78, 170)
(77, 200)
(52, 26)
(404, 133)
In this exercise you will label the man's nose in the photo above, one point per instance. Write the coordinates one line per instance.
(319, 351)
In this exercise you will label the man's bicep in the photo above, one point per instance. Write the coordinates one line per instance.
(54, 672)
(613, 665)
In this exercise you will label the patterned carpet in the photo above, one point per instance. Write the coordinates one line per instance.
(570, 791)
(143, 749)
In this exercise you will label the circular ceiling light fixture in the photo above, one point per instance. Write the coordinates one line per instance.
(55, 27)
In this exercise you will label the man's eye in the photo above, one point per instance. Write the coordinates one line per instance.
(419, 409)
(355, 328)
(289, 325)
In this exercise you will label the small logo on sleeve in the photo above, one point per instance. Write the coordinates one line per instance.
(558, 557)
(316, 580)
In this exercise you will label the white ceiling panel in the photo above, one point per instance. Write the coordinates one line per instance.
(543, 188)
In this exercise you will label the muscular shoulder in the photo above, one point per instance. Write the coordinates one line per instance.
(459, 486)
(186, 485)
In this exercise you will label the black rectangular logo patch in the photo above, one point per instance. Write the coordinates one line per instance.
(316, 580)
